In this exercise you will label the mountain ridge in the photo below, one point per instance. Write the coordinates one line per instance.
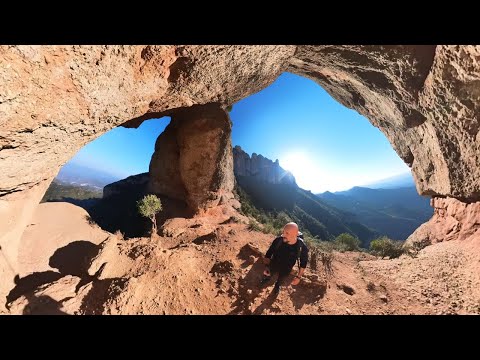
(395, 212)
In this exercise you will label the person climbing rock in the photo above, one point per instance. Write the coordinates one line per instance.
(280, 258)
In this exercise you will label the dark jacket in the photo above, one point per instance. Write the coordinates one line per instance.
(284, 256)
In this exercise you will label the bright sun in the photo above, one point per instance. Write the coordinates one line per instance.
(311, 175)
(299, 164)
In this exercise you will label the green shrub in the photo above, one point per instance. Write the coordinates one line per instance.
(269, 229)
(281, 219)
(386, 247)
(347, 242)
(253, 226)
(263, 218)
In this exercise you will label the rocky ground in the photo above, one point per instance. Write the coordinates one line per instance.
(211, 265)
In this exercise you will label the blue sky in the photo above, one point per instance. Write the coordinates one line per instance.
(122, 152)
(324, 144)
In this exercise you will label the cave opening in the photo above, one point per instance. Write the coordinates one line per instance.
(297, 154)
(346, 176)
(109, 175)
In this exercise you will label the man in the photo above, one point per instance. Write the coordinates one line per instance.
(282, 256)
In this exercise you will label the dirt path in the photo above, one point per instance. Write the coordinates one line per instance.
(211, 265)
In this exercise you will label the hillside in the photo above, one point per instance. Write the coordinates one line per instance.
(84, 196)
(79, 185)
(396, 212)
(363, 212)
(76, 174)
(116, 210)
(311, 213)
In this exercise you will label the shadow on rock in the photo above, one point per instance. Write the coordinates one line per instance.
(42, 305)
(267, 304)
(308, 292)
(30, 282)
(72, 259)
(102, 290)
(249, 287)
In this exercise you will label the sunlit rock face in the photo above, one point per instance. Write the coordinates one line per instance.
(193, 157)
(260, 168)
(452, 220)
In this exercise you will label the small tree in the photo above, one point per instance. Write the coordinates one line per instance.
(347, 242)
(386, 247)
(149, 206)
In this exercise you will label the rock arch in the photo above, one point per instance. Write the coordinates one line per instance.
(55, 99)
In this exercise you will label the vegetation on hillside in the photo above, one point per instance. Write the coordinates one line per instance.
(385, 247)
(396, 213)
(320, 247)
(322, 226)
(58, 192)
(347, 242)
(272, 205)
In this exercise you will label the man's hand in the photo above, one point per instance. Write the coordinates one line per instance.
(267, 272)
(295, 281)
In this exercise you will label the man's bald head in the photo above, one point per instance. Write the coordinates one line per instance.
(291, 225)
(290, 231)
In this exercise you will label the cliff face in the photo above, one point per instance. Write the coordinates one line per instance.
(452, 220)
(56, 99)
(260, 167)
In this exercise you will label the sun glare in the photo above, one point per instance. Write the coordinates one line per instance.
(310, 174)
(297, 163)
(302, 167)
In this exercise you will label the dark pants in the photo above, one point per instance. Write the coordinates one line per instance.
(282, 274)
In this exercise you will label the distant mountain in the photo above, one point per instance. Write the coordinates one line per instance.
(398, 181)
(395, 212)
(260, 168)
(83, 196)
(306, 209)
(74, 174)
(115, 208)
(112, 208)
(274, 189)
(79, 185)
